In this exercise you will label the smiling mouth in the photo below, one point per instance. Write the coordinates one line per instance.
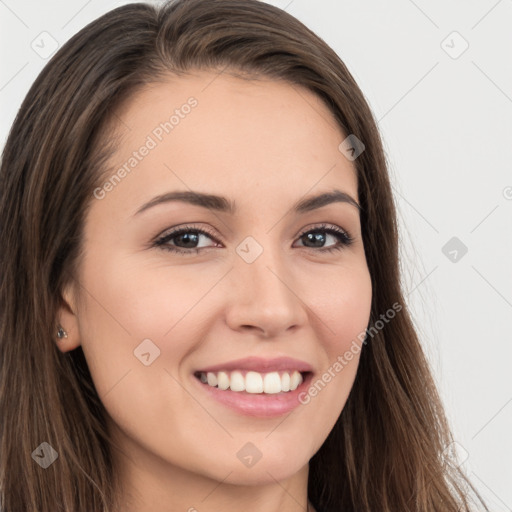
(253, 382)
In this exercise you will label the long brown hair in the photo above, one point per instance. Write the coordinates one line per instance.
(388, 451)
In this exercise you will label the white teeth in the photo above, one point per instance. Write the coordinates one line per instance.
(237, 382)
(222, 380)
(253, 382)
(285, 382)
(272, 383)
(295, 380)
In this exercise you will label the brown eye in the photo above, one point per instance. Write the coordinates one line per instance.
(317, 237)
(184, 240)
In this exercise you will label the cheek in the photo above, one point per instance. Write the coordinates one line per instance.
(342, 314)
(142, 301)
(345, 309)
(125, 307)
(131, 318)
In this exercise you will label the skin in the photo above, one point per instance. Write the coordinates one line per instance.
(264, 144)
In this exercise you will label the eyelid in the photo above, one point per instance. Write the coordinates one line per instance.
(324, 226)
(185, 228)
(204, 230)
(345, 239)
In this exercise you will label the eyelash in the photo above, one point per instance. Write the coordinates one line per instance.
(342, 235)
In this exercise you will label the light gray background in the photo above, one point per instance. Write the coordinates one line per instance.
(446, 121)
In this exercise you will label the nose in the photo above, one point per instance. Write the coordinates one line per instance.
(265, 297)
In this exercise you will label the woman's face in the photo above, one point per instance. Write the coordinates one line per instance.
(259, 284)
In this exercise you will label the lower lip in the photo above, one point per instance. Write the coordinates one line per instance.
(258, 404)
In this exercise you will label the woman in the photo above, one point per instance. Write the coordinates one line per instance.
(201, 304)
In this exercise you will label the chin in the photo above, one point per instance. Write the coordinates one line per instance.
(266, 470)
(262, 475)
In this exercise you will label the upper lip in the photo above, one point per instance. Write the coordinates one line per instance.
(260, 365)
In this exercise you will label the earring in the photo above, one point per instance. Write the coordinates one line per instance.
(61, 333)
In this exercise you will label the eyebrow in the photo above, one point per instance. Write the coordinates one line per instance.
(224, 205)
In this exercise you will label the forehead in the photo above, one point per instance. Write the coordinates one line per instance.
(218, 133)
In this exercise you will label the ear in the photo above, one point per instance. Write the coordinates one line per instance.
(67, 318)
